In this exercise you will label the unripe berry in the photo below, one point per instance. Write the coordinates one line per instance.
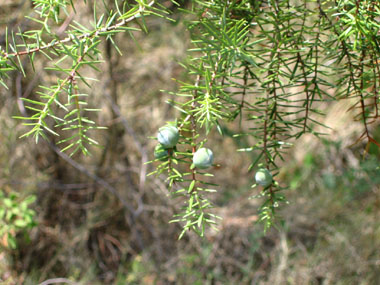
(263, 177)
(160, 152)
(168, 136)
(203, 158)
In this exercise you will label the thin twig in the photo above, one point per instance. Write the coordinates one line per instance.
(126, 125)
(193, 127)
(94, 177)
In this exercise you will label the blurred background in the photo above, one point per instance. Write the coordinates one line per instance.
(101, 220)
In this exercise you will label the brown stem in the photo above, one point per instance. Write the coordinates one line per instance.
(362, 103)
(245, 82)
(376, 63)
(193, 127)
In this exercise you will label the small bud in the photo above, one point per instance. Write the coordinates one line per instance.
(160, 152)
(203, 158)
(168, 136)
(263, 177)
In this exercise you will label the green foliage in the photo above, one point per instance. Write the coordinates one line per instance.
(15, 217)
(265, 65)
(269, 63)
(68, 56)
